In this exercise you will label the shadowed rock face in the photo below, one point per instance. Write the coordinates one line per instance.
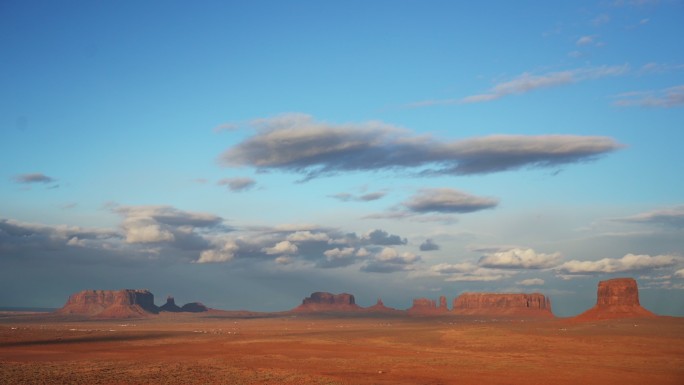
(616, 298)
(170, 306)
(125, 303)
(194, 307)
(380, 307)
(503, 304)
(323, 301)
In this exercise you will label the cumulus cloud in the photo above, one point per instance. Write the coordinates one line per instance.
(669, 217)
(283, 247)
(451, 268)
(307, 236)
(445, 200)
(531, 282)
(34, 178)
(520, 259)
(628, 263)
(390, 260)
(223, 254)
(468, 272)
(237, 184)
(428, 245)
(339, 257)
(313, 245)
(166, 224)
(146, 231)
(665, 98)
(169, 215)
(297, 143)
(679, 273)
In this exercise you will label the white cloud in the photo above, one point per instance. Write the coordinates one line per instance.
(142, 231)
(629, 262)
(520, 259)
(531, 282)
(451, 268)
(679, 273)
(284, 247)
(223, 254)
(389, 260)
(308, 236)
(391, 255)
(339, 253)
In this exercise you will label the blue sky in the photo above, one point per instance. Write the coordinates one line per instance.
(245, 154)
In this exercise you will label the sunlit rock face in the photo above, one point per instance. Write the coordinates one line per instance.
(127, 303)
(426, 306)
(616, 298)
(503, 304)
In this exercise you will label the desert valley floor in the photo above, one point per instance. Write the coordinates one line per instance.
(230, 348)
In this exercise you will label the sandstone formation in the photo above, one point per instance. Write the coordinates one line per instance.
(125, 303)
(380, 307)
(616, 298)
(170, 306)
(426, 306)
(194, 307)
(503, 304)
(323, 301)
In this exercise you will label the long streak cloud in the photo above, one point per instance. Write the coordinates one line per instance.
(298, 143)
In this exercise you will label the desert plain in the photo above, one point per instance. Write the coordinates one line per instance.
(218, 347)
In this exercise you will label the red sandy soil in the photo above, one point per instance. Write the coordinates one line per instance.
(225, 348)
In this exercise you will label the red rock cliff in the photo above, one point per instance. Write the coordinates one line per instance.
(170, 306)
(125, 303)
(618, 291)
(380, 307)
(426, 306)
(323, 301)
(616, 298)
(503, 304)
